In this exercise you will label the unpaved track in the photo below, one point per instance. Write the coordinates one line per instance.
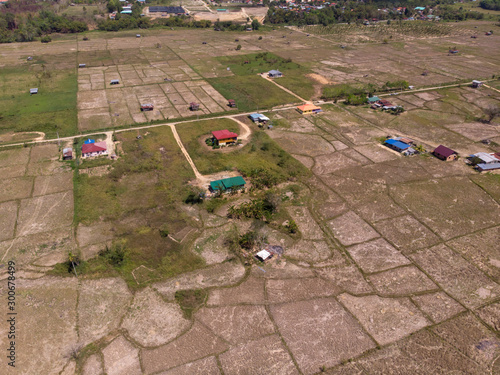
(184, 151)
(264, 75)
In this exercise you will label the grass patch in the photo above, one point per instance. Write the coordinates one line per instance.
(141, 194)
(52, 110)
(260, 154)
(190, 300)
(294, 75)
(251, 93)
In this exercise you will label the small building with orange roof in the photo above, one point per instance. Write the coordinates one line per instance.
(308, 108)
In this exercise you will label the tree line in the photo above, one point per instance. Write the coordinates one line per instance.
(15, 28)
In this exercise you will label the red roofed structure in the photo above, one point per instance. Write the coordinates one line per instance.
(224, 137)
(94, 149)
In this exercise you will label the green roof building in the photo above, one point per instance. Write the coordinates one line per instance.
(373, 99)
(228, 183)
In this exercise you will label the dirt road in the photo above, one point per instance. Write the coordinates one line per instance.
(264, 75)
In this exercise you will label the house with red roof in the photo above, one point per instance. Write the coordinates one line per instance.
(224, 137)
(445, 153)
(94, 149)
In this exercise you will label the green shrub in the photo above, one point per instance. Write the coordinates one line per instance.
(46, 39)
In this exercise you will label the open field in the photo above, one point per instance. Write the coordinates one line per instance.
(390, 263)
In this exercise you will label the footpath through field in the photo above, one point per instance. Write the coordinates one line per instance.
(263, 75)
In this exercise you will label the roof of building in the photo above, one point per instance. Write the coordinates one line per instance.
(94, 147)
(308, 107)
(444, 151)
(373, 99)
(476, 81)
(89, 141)
(33, 91)
(256, 116)
(227, 183)
(398, 144)
(162, 9)
(487, 158)
(489, 167)
(223, 134)
(115, 81)
(274, 72)
(67, 150)
(126, 11)
(263, 254)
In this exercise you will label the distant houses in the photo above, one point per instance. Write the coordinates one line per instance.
(476, 84)
(257, 117)
(275, 74)
(445, 153)
(171, 11)
(224, 137)
(67, 153)
(147, 107)
(227, 184)
(308, 109)
(485, 162)
(91, 148)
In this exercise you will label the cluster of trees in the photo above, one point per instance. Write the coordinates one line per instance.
(490, 4)
(351, 12)
(16, 29)
(131, 22)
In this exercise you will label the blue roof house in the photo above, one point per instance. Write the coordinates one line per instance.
(89, 141)
(396, 145)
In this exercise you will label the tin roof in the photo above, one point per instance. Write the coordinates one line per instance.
(487, 158)
(398, 144)
(308, 107)
(274, 72)
(444, 151)
(224, 134)
(93, 147)
(227, 183)
(263, 254)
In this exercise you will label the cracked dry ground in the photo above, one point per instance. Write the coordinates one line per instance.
(397, 271)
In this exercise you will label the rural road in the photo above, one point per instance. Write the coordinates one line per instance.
(263, 75)
(198, 175)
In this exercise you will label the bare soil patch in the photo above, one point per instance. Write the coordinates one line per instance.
(53, 183)
(14, 157)
(307, 225)
(218, 275)
(457, 277)
(206, 366)
(377, 255)
(8, 216)
(347, 279)
(101, 306)
(151, 322)
(310, 251)
(288, 290)
(237, 324)
(324, 324)
(45, 213)
(250, 291)
(438, 306)
(121, 357)
(401, 281)
(197, 343)
(471, 338)
(386, 319)
(406, 233)
(481, 249)
(16, 188)
(343, 225)
(255, 357)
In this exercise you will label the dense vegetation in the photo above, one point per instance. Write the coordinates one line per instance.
(25, 29)
(490, 4)
(369, 11)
